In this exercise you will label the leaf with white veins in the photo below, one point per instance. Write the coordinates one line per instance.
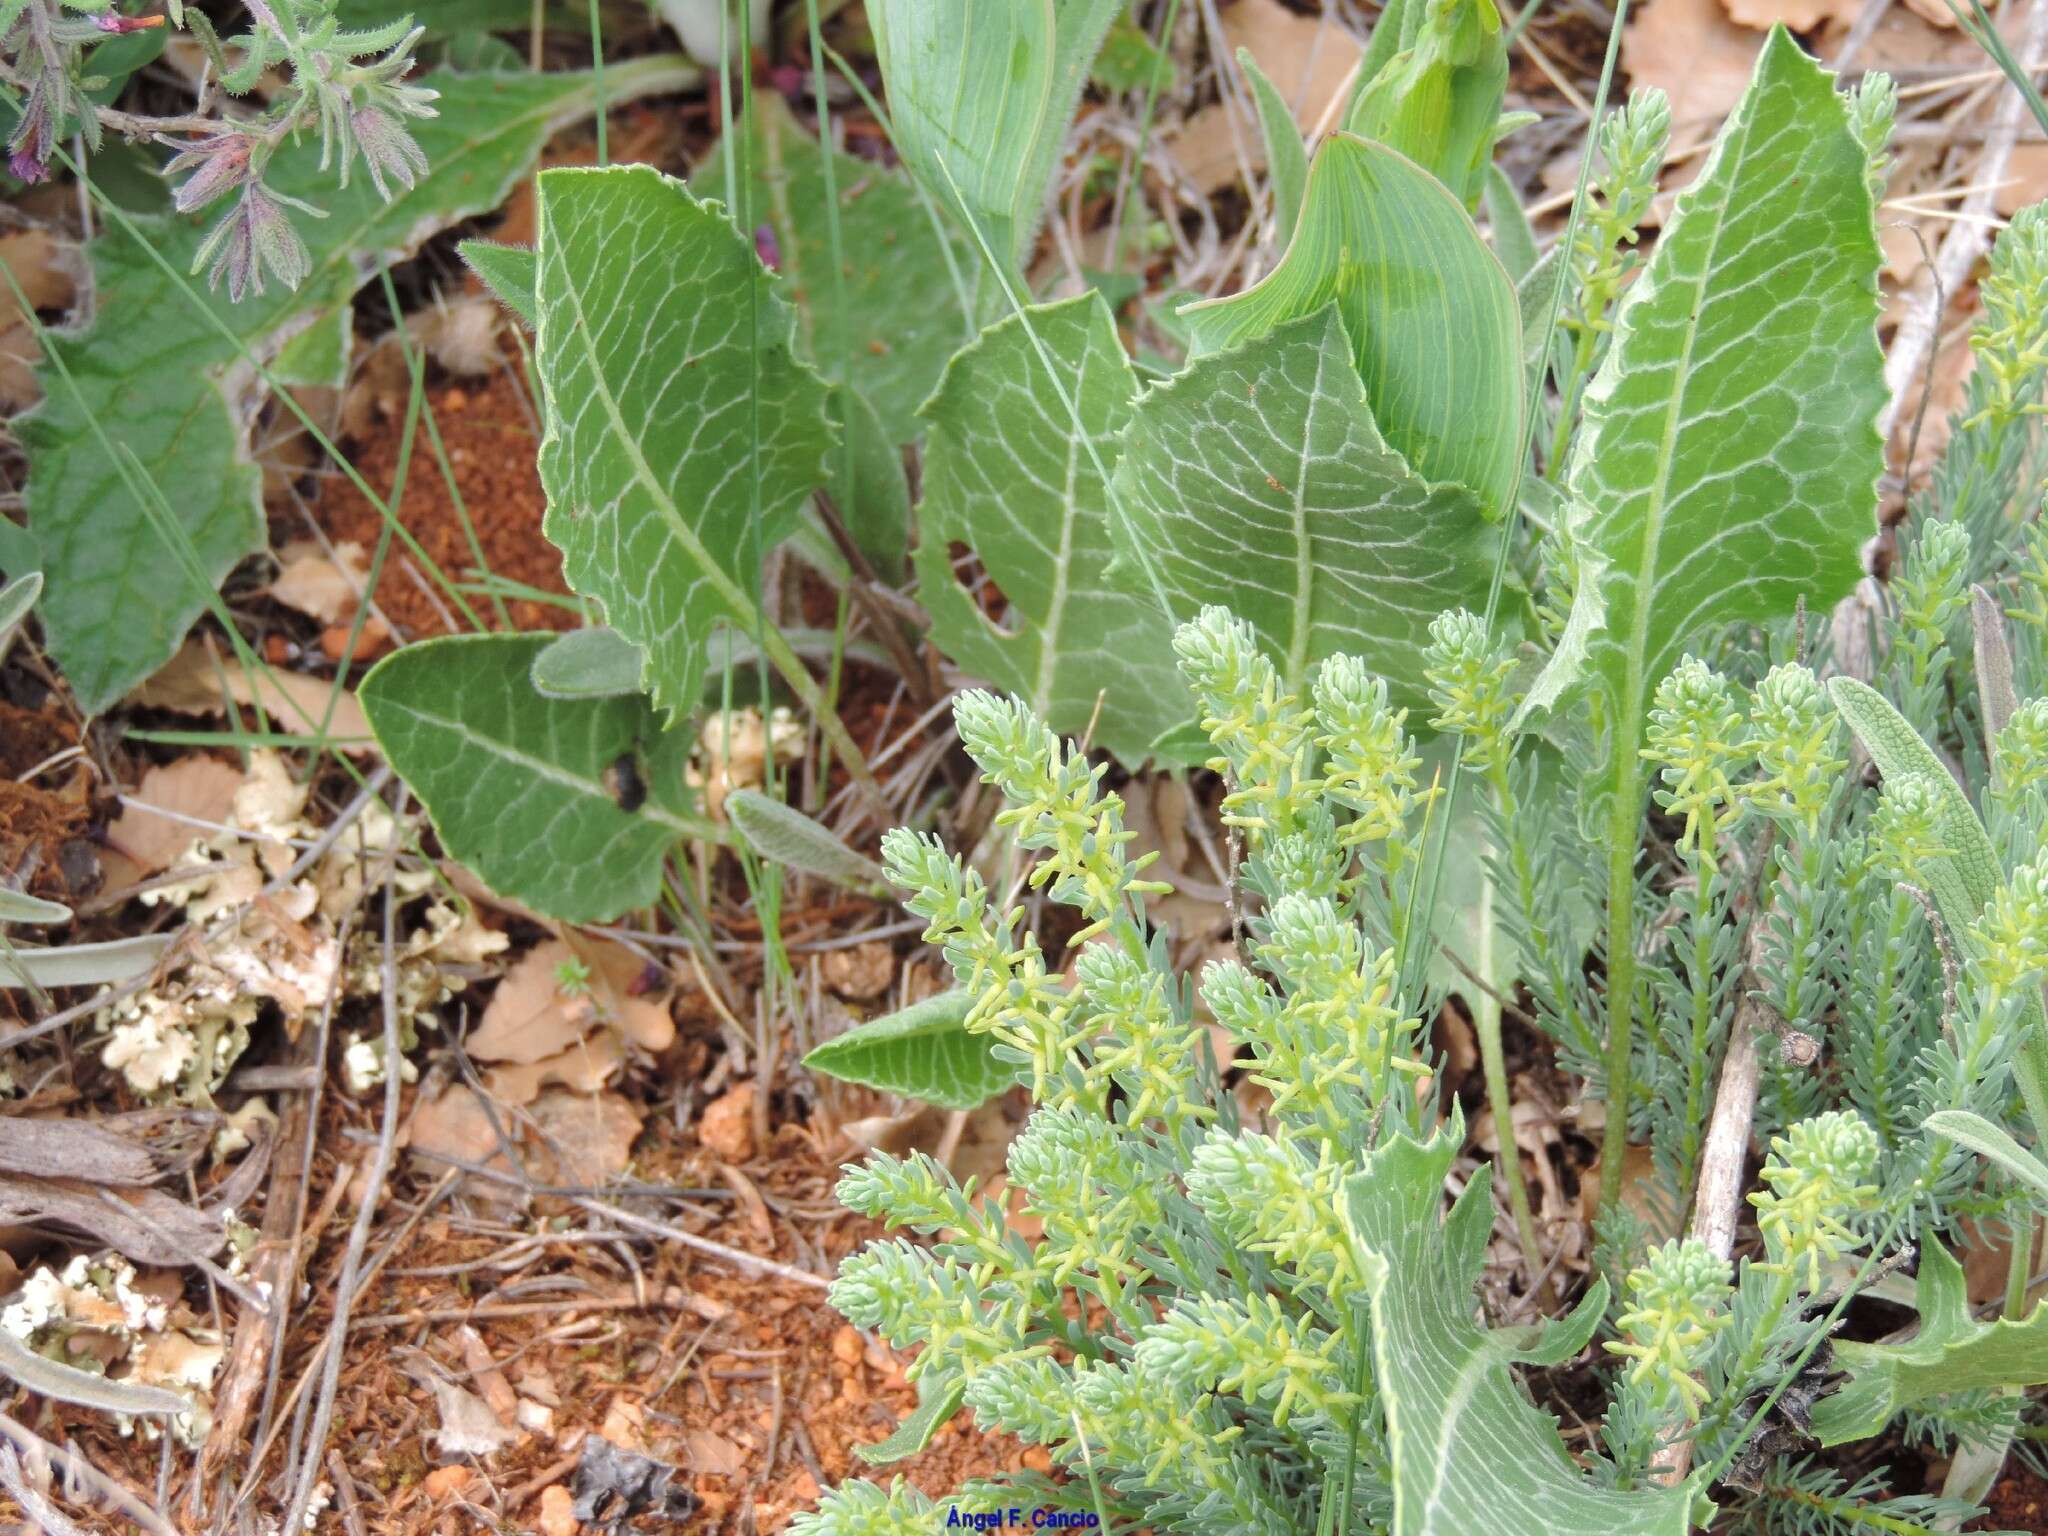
(1729, 459)
(157, 372)
(1006, 474)
(541, 797)
(670, 385)
(1258, 479)
(1471, 1452)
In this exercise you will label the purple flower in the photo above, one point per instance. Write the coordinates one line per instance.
(35, 137)
(767, 247)
(108, 21)
(255, 234)
(387, 148)
(219, 163)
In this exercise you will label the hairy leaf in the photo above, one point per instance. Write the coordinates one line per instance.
(1430, 312)
(596, 663)
(894, 317)
(921, 1052)
(674, 408)
(1286, 155)
(1728, 464)
(936, 1403)
(1258, 479)
(1006, 475)
(1994, 1144)
(509, 271)
(981, 98)
(1951, 1352)
(158, 376)
(1471, 1453)
(566, 805)
(784, 835)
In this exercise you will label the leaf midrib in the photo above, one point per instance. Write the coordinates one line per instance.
(542, 768)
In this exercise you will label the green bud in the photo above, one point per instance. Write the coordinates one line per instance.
(1696, 735)
(2012, 935)
(2010, 341)
(1678, 1301)
(1796, 734)
(1816, 1173)
(1438, 99)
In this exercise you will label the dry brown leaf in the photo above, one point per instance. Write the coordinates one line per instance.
(862, 971)
(320, 587)
(584, 1067)
(2026, 179)
(707, 1451)
(454, 1124)
(1309, 60)
(468, 1427)
(483, 1371)
(1935, 13)
(1799, 15)
(190, 683)
(531, 1019)
(198, 786)
(1696, 55)
(44, 268)
(589, 1137)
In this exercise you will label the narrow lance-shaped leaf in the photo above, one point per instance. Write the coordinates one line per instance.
(1950, 1352)
(784, 835)
(669, 385)
(568, 805)
(894, 316)
(1286, 155)
(1258, 479)
(922, 1052)
(1429, 310)
(156, 373)
(1728, 464)
(981, 96)
(1006, 475)
(1471, 1452)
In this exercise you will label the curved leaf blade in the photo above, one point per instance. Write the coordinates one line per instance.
(82, 965)
(1434, 326)
(1951, 1352)
(1258, 479)
(784, 835)
(1471, 1452)
(981, 96)
(1006, 475)
(460, 721)
(669, 381)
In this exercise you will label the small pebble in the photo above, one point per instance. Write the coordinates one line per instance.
(444, 1482)
(556, 1519)
(847, 1347)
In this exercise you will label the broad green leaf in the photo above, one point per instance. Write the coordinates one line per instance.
(894, 317)
(317, 358)
(1951, 1352)
(921, 1052)
(1728, 462)
(1438, 100)
(785, 835)
(936, 1403)
(1257, 479)
(81, 965)
(980, 98)
(596, 663)
(1471, 1452)
(1286, 155)
(156, 375)
(1992, 1143)
(674, 407)
(1006, 475)
(1430, 312)
(509, 271)
(530, 792)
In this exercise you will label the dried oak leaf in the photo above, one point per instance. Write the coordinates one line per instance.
(1695, 54)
